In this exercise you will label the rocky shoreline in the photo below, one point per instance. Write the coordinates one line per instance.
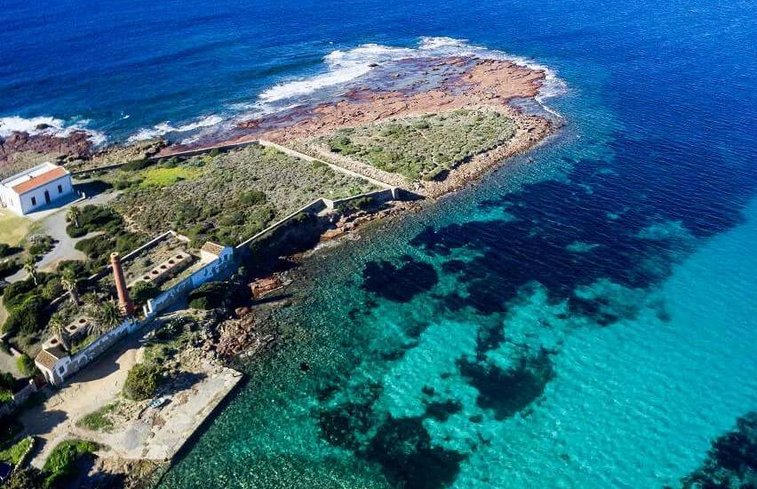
(405, 88)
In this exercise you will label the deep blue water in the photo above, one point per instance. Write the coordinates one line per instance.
(585, 319)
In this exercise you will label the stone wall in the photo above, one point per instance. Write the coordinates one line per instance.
(311, 208)
(378, 196)
(68, 366)
(221, 268)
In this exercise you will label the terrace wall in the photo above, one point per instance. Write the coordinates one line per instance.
(378, 196)
(220, 268)
(311, 208)
(68, 366)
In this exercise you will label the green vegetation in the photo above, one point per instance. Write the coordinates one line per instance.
(142, 382)
(28, 317)
(61, 464)
(424, 147)
(358, 204)
(168, 340)
(5, 396)
(13, 454)
(27, 308)
(98, 248)
(212, 295)
(26, 478)
(26, 365)
(91, 218)
(142, 291)
(7, 250)
(227, 197)
(40, 245)
(163, 177)
(81, 343)
(9, 267)
(99, 420)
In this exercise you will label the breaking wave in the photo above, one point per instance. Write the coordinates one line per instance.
(165, 128)
(48, 125)
(344, 66)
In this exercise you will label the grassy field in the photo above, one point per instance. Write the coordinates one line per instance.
(13, 228)
(423, 147)
(228, 197)
(164, 177)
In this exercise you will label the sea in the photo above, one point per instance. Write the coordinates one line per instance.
(583, 317)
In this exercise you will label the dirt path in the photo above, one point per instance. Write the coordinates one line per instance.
(91, 389)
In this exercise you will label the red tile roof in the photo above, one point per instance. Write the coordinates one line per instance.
(40, 180)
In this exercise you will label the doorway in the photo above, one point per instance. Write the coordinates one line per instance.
(47, 197)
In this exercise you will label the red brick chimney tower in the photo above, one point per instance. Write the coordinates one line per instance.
(124, 302)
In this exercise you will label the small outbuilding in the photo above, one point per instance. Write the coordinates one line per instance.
(36, 188)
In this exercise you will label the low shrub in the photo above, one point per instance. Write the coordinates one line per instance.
(252, 197)
(28, 317)
(25, 365)
(98, 420)
(78, 267)
(8, 250)
(61, 464)
(41, 245)
(137, 165)
(9, 267)
(25, 478)
(143, 291)
(354, 205)
(200, 303)
(52, 289)
(141, 382)
(210, 296)
(13, 453)
(96, 218)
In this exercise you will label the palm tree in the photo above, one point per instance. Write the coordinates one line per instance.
(107, 316)
(30, 267)
(58, 328)
(73, 215)
(69, 283)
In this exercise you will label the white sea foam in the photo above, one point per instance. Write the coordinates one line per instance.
(165, 128)
(344, 66)
(48, 125)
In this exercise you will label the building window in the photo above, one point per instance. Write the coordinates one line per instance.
(60, 189)
(34, 200)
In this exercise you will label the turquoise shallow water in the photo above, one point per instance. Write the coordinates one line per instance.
(539, 330)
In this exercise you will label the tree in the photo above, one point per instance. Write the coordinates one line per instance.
(73, 215)
(30, 267)
(58, 327)
(69, 283)
(107, 316)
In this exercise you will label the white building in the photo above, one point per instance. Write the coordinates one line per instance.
(36, 188)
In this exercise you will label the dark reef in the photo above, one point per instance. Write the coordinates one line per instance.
(732, 460)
